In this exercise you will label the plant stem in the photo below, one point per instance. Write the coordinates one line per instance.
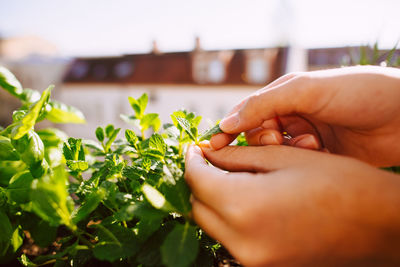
(142, 131)
(52, 261)
(83, 239)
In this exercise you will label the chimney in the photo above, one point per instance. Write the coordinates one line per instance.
(155, 50)
(197, 45)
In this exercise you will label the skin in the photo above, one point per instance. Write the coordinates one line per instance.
(286, 206)
(274, 205)
(354, 110)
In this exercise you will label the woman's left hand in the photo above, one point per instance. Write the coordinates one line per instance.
(280, 205)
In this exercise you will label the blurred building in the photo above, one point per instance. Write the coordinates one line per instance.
(209, 83)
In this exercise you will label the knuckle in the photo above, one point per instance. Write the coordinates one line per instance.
(238, 215)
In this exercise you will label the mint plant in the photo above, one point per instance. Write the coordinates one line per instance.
(121, 199)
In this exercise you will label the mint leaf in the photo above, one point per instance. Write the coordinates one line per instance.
(109, 130)
(9, 82)
(131, 137)
(50, 198)
(28, 121)
(156, 199)
(143, 100)
(62, 113)
(150, 120)
(180, 246)
(90, 204)
(5, 233)
(185, 124)
(100, 134)
(7, 151)
(77, 165)
(111, 135)
(115, 242)
(20, 186)
(157, 143)
(208, 134)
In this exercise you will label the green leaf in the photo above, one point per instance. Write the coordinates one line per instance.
(175, 115)
(62, 113)
(25, 261)
(30, 147)
(208, 134)
(185, 124)
(143, 100)
(52, 137)
(77, 165)
(5, 233)
(28, 121)
(139, 105)
(135, 106)
(157, 143)
(196, 121)
(29, 96)
(100, 134)
(90, 204)
(73, 149)
(150, 120)
(178, 195)
(7, 151)
(109, 130)
(17, 238)
(131, 137)
(115, 242)
(9, 82)
(111, 139)
(20, 186)
(31, 150)
(156, 199)
(41, 232)
(50, 198)
(3, 197)
(150, 253)
(180, 247)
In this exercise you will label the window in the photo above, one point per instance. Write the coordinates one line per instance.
(257, 71)
(79, 70)
(123, 69)
(99, 72)
(216, 71)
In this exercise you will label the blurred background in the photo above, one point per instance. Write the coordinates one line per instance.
(204, 56)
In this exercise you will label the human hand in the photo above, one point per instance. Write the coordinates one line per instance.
(284, 206)
(350, 111)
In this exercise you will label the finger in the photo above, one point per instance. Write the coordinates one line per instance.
(259, 158)
(263, 137)
(205, 181)
(211, 222)
(222, 139)
(307, 141)
(290, 97)
(278, 81)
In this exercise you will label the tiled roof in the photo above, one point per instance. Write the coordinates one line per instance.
(171, 68)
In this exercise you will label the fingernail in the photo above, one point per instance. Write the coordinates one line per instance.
(308, 141)
(229, 124)
(269, 139)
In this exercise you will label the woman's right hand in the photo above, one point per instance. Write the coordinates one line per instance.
(353, 111)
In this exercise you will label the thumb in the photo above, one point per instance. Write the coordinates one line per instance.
(295, 95)
(259, 158)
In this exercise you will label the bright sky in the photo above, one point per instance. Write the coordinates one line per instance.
(108, 27)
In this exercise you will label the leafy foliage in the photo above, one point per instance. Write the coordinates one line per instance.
(122, 200)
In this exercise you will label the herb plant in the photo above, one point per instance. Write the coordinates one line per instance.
(116, 200)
